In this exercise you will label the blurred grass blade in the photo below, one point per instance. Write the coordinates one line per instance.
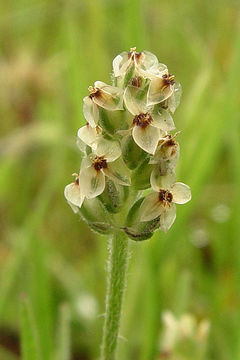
(29, 334)
(63, 345)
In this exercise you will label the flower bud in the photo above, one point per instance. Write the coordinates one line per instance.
(131, 153)
(93, 213)
(141, 175)
(137, 230)
(113, 196)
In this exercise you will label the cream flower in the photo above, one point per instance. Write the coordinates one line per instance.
(104, 96)
(144, 62)
(161, 88)
(162, 201)
(73, 194)
(89, 136)
(104, 161)
(149, 124)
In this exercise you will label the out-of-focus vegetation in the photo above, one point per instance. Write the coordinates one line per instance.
(52, 277)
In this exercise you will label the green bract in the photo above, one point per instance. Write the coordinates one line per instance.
(127, 148)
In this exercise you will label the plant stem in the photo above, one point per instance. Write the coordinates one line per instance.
(117, 266)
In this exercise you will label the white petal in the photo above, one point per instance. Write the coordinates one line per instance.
(174, 100)
(109, 97)
(150, 207)
(158, 181)
(181, 193)
(73, 194)
(133, 104)
(73, 207)
(118, 172)
(146, 138)
(121, 63)
(89, 134)
(163, 120)
(157, 92)
(92, 182)
(111, 150)
(90, 111)
(148, 64)
(168, 217)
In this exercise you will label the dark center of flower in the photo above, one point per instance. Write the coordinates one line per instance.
(136, 81)
(76, 181)
(168, 79)
(133, 54)
(142, 120)
(165, 196)
(94, 92)
(99, 163)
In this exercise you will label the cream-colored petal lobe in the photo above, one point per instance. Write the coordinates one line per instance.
(163, 120)
(73, 194)
(90, 111)
(121, 63)
(155, 178)
(168, 217)
(150, 207)
(174, 100)
(167, 180)
(108, 97)
(118, 172)
(73, 207)
(158, 92)
(111, 150)
(146, 138)
(134, 103)
(88, 134)
(181, 193)
(92, 182)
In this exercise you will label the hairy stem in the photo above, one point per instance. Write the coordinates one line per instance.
(117, 266)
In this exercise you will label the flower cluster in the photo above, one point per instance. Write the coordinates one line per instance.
(128, 147)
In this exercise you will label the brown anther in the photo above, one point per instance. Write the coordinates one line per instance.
(136, 81)
(142, 120)
(94, 92)
(133, 54)
(76, 181)
(99, 163)
(168, 79)
(165, 197)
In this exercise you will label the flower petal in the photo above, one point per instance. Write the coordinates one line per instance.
(90, 111)
(158, 181)
(168, 217)
(174, 100)
(181, 193)
(111, 150)
(89, 135)
(92, 182)
(108, 97)
(158, 92)
(162, 120)
(73, 194)
(121, 63)
(146, 138)
(135, 103)
(150, 207)
(118, 172)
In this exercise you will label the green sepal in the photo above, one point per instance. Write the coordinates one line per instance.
(94, 214)
(112, 121)
(141, 175)
(139, 230)
(128, 76)
(132, 154)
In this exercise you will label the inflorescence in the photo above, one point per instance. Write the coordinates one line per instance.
(127, 147)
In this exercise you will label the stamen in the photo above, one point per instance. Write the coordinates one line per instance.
(99, 163)
(165, 197)
(168, 79)
(94, 92)
(76, 178)
(142, 120)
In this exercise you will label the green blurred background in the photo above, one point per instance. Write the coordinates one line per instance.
(53, 268)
